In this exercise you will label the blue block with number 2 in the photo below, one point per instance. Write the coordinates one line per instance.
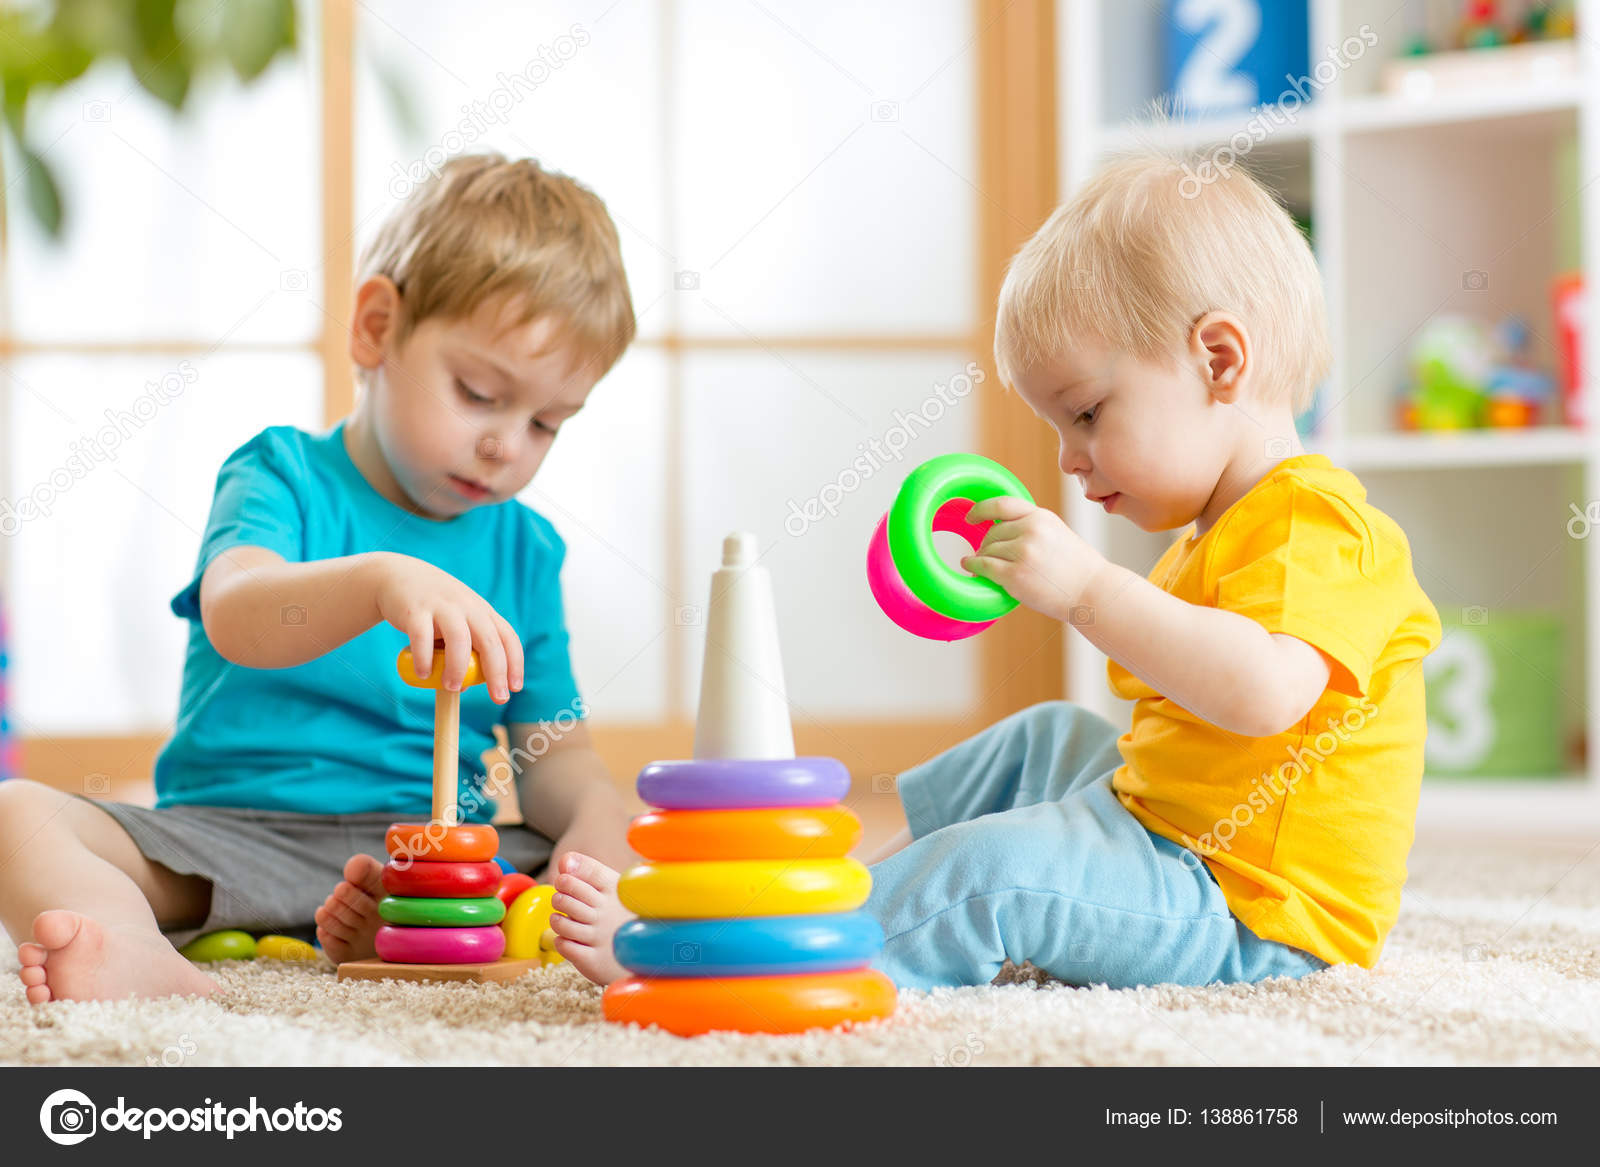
(1228, 55)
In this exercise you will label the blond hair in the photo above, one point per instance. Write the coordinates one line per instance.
(1149, 245)
(486, 228)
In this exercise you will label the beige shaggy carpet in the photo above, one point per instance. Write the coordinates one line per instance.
(1496, 960)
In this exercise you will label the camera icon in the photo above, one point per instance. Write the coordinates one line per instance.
(97, 784)
(885, 111)
(489, 449)
(293, 279)
(883, 784)
(292, 616)
(688, 616)
(685, 952)
(1080, 615)
(1278, 448)
(1475, 280)
(67, 1117)
(1474, 952)
(1082, 278)
(97, 111)
(686, 281)
(1475, 615)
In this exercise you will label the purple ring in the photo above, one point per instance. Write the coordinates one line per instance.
(743, 783)
(402, 945)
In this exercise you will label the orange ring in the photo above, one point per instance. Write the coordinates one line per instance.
(408, 670)
(469, 843)
(689, 1006)
(788, 832)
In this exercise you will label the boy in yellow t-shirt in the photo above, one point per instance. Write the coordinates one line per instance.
(1255, 820)
(1170, 335)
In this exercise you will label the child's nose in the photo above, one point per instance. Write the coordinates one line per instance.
(1073, 460)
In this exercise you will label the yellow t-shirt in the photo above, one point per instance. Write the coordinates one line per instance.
(1306, 832)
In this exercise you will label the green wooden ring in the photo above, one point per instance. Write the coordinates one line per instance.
(947, 591)
(441, 913)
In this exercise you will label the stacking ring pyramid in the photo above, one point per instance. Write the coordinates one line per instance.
(747, 901)
(450, 914)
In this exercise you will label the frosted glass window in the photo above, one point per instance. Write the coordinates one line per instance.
(782, 445)
(205, 226)
(572, 84)
(826, 166)
(107, 541)
(604, 488)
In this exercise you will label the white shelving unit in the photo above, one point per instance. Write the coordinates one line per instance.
(1405, 198)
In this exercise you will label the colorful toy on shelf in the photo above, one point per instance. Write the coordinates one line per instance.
(1462, 377)
(912, 583)
(443, 911)
(1517, 392)
(1484, 49)
(747, 903)
(1567, 297)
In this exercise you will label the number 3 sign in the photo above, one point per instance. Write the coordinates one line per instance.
(1228, 55)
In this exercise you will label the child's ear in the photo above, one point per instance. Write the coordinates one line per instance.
(1221, 350)
(372, 323)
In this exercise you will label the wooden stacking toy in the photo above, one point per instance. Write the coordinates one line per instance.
(447, 897)
(747, 899)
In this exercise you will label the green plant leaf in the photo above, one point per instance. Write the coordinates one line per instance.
(43, 193)
(255, 32)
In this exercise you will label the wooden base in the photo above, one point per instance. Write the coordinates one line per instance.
(484, 971)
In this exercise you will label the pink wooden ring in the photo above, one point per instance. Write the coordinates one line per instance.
(400, 945)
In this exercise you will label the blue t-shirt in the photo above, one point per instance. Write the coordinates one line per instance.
(343, 734)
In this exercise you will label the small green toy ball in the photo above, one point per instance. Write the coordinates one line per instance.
(230, 944)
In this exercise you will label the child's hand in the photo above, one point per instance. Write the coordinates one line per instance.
(428, 604)
(1032, 553)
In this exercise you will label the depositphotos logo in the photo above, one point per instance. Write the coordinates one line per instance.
(68, 1117)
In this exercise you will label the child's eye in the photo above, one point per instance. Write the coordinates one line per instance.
(466, 392)
(1087, 416)
(544, 427)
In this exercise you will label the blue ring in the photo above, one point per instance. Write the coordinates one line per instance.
(505, 865)
(753, 946)
(743, 783)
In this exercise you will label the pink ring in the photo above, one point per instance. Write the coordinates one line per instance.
(400, 945)
(897, 601)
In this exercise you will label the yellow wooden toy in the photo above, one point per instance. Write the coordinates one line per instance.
(527, 926)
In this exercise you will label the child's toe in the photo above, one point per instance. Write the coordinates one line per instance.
(366, 873)
(31, 953)
(590, 870)
(33, 974)
(38, 994)
(572, 906)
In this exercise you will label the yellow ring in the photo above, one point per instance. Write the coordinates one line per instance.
(746, 887)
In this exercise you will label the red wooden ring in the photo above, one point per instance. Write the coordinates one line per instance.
(438, 879)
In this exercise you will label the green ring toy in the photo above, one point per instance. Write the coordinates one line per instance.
(441, 913)
(910, 535)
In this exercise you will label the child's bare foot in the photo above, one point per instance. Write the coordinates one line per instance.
(74, 958)
(348, 919)
(586, 894)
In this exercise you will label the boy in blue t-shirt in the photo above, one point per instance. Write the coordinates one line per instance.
(487, 308)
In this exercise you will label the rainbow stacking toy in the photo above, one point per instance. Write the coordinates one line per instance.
(747, 901)
(447, 896)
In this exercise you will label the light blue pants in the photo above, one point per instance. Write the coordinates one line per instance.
(1021, 851)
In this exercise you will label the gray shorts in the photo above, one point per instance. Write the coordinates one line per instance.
(270, 870)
